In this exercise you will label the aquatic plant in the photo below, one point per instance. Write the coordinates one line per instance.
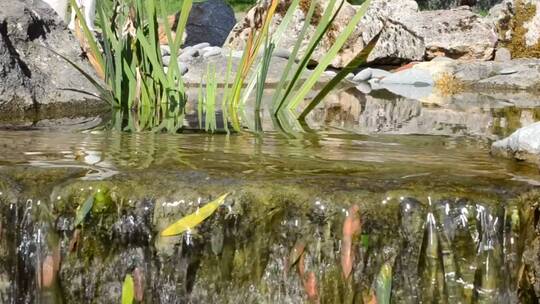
(151, 96)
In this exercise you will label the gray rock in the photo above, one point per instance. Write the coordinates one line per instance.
(363, 75)
(524, 144)
(211, 51)
(364, 87)
(188, 54)
(370, 73)
(165, 50)
(199, 46)
(414, 76)
(166, 60)
(508, 71)
(503, 54)
(31, 76)
(282, 53)
(396, 43)
(456, 33)
(209, 21)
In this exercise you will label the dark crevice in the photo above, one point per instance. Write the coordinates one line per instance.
(13, 52)
(37, 29)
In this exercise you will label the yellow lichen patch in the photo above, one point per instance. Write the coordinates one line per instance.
(517, 45)
(448, 84)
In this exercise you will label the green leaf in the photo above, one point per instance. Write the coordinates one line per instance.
(128, 290)
(383, 284)
(83, 210)
(359, 60)
(329, 56)
(194, 219)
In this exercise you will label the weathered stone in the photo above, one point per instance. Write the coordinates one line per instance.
(363, 75)
(503, 54)
(211, 51)
(456, 33)
(396, 43)
(31, 75)
(209, 21)
(524, 144)
(417, 77)
(518, 26)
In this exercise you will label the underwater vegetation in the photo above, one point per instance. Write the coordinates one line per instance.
(259, 245)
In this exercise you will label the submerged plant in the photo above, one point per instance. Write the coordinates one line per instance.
(153, 97)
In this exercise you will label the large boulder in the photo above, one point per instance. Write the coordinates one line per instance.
(456, 33)
(524, 144)
(396, 44)
(209, 21)
(31, 75)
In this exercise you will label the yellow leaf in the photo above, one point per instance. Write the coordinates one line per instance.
(128, 290)
(194, 219)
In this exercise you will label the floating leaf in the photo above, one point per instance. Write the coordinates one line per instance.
(128, 293)
(194, 219)
(296, 252)
(383, 284)
(83, 210)
(138, 283)
(351, 228)
(310, 287)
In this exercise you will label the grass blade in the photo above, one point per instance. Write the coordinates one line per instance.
(360, 59)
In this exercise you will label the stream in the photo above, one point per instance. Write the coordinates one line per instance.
(388, 201)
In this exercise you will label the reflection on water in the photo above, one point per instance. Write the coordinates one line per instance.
(352, 213)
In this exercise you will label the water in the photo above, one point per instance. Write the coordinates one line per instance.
(441, 220)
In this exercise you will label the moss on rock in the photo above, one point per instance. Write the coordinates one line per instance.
(524, 12)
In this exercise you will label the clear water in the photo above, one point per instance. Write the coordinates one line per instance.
(442, 221)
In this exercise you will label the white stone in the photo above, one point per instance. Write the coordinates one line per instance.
(524, 141)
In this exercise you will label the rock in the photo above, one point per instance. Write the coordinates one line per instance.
(166, 60)
(363, 75)
(211, 51)
(282, 53)
(508, 71)
(188, 54)
(199, 46)
(518, 26)
(503, 54)
(209, 21)
(165, 50)
(414, 76)
(370, 73)
(31, 76)
(364, 87)
(396, 44)
(457, 33)
(524, 144)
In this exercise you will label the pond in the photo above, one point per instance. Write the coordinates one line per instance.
(388, 200)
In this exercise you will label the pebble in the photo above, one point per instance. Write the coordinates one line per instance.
(188, 54)
(166, 60)
(508, 71)
(282, 53)
(364, 87)
(200, 46)
(364, 75)
(211, 51)
(165, 50)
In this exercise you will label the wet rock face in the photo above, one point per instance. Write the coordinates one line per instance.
(281, 246)
(31, 76)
